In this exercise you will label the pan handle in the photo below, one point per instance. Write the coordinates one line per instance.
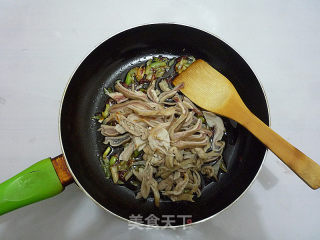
(42, 180)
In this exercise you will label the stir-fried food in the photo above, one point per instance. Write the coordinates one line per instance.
(157, 139)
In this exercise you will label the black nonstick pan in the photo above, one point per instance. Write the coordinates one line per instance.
(82, 144)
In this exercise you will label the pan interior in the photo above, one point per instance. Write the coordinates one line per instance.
(110, 61)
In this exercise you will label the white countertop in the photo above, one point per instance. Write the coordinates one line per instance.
(42, 42)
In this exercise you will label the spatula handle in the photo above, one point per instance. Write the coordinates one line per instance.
(42, 180)
(307, 169)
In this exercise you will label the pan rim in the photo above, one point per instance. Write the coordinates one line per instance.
(94, 200)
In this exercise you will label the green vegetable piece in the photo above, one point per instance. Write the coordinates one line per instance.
(171, 62)
(113, 160)
(114, 173)
(158, 64)
(202, 119)
(140, 73)
(134, 183)
(107, 91)
(160, 72)
(106, 167)
(148, 68)
(149, 62)
(150, 76)
(130, 76)
(120, 182)
(105, 113)
(190, 60)
(97, 117)
(136, 153)
(184, 63)
(128, 175)
(123, 166)
(106, 152)
(107, 170)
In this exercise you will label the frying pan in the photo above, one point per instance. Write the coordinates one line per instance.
(82, 144)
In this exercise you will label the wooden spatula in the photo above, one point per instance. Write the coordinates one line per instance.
(212, 91)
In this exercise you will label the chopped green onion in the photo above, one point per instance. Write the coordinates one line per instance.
(107, 171)
(156, 67)
(105, 121)
(149, 76)
(114, 173)
(98, 117)
(158, 64)
(136, 153)
(148, 68)
(171, 62)
(140, 73)
(130, 76)
(113, 160)
(202, 119)
(160, 72)
(123, 165)
(184, 63)
(107, 91)
(106, 167)
(190, 60)
(105, 113)
(128, 175)
(106, 152)
(135, 183)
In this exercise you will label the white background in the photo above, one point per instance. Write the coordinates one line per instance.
(42, 42)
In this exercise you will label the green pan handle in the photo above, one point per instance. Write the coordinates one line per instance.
(40, 181)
